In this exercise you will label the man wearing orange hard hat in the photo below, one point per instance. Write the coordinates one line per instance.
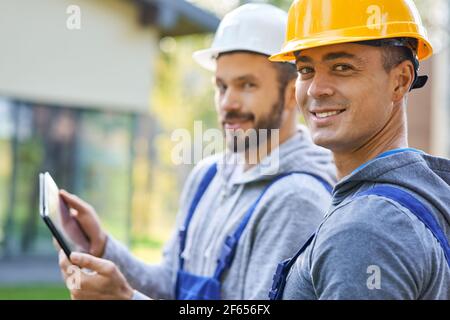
(386, 235)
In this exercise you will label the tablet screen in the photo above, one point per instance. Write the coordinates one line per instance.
(58, 212)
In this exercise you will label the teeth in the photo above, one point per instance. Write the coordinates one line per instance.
(327, 114)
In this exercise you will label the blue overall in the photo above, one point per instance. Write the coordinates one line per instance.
(193, 287)
(398, 195)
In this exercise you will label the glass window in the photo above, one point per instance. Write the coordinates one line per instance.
(87, 152)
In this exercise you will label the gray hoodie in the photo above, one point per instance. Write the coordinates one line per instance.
(287, 214)
(374, 248)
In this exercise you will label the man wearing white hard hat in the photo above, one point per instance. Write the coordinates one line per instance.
(237, 219)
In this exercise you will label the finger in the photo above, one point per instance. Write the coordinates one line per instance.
(88, 221)
(84, 214)
(86, 217)
(88, 261)
(64, 264)
(73, 212)
(63, 261)
(74, 201)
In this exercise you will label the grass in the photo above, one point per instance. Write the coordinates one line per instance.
(145, 248)
(34, 292)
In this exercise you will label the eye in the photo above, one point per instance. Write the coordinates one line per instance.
(248, 85)
(221, 87)
(343, 67)
(305, 70)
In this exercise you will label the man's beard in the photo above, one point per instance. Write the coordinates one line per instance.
(267, 122)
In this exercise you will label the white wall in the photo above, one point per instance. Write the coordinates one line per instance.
(105, 64)
(440, 140)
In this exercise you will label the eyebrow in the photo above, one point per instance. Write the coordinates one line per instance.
(246, 77)
(330, 56)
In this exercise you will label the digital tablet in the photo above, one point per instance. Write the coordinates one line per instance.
(56, 215)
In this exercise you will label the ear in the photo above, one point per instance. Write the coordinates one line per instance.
(403, 77)
(290, 102)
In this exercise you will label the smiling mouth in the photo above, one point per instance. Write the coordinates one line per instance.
(236, 122)
(327, 114)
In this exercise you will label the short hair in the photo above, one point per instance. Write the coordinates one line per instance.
(395, 51)
(393, 56)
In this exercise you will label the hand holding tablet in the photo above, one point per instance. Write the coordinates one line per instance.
(56, 215)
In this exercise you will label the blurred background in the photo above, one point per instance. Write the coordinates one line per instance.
(96, 107)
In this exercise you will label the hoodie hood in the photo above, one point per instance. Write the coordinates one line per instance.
(298, 153)
(423, 175)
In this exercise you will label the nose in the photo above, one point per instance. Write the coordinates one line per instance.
(320, 86)
(229, 100)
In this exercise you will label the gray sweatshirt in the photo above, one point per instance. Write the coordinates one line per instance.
(284, 218)
(374, 248)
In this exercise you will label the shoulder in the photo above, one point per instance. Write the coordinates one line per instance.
(202, 167)
(298, 188)
(372, 213)
(195, 177)
(374, 217)
(366, 234)
(199, 171)
(297, 202)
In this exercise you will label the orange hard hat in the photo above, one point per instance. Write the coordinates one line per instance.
(315, 23)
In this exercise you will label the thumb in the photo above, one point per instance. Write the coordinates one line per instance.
(84, 260)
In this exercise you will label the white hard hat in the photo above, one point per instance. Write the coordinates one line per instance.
(254, 27)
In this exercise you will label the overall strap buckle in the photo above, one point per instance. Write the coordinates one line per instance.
(279, 279)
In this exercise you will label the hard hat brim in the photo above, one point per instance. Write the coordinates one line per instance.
(207, 57)
(287, 53)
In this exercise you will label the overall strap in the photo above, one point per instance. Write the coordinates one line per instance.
(416, 207)
(207, 178)
(283, 268)
(398, 195)
(231, 241)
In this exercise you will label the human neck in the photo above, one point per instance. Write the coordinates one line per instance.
(392, 136)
